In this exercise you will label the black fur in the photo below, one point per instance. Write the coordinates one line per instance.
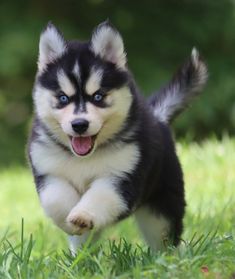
(157, 181)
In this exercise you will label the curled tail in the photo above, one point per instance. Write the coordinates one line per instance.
(172, 99)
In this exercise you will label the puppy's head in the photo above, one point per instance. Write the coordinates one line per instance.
(81, 92)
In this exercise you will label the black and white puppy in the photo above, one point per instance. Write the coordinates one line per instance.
(99, 151)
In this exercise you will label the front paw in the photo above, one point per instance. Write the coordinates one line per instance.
(80, 221)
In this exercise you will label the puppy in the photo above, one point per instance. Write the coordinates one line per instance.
(98, 150)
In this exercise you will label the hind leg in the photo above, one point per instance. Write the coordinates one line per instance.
(154, 227)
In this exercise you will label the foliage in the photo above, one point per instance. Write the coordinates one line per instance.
(38, 250)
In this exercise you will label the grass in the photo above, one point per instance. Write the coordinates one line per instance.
(34, 248)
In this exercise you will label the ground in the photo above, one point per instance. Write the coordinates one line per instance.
(31, 247)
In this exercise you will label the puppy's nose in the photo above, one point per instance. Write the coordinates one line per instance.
(80, 125)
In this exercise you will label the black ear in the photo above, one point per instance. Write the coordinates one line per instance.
(107, 43)
(51, 46)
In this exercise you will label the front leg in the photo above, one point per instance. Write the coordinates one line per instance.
(100, 206)
(57, 198)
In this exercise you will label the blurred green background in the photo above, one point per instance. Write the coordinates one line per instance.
(158, 35)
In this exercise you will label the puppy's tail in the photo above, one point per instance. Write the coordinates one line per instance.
(187, 83)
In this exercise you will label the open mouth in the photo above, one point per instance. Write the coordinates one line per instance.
(82, 146)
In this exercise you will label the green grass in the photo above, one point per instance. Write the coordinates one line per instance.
(37, 249)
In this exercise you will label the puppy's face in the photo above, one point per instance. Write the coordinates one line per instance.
(81, 92)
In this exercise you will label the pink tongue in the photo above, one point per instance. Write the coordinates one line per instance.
(82, 145)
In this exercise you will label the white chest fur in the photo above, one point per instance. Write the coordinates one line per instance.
(116, 160)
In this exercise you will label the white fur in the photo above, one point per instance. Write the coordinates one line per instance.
(76, 241)
(201, 69)
(76, 72)
(155, 229)
(116, 160)
(94, 80)
(114, 116)
(165, 109)
(195, 56)
(65, 84)
(108, 44)
(101, 203)
(45, 103)
(58, 197)
(51, 47)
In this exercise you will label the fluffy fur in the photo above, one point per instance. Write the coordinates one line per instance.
(184, 86)
(100, 152)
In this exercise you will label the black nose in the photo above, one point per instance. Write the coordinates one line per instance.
(80, 125)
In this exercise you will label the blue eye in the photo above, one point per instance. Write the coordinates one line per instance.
(63, 99)
(98, 97)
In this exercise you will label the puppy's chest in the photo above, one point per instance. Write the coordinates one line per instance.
(81, 172)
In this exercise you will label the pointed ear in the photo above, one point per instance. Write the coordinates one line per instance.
(107, 43)
(51, 46)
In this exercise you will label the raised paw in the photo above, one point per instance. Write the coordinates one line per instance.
(81, 221)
